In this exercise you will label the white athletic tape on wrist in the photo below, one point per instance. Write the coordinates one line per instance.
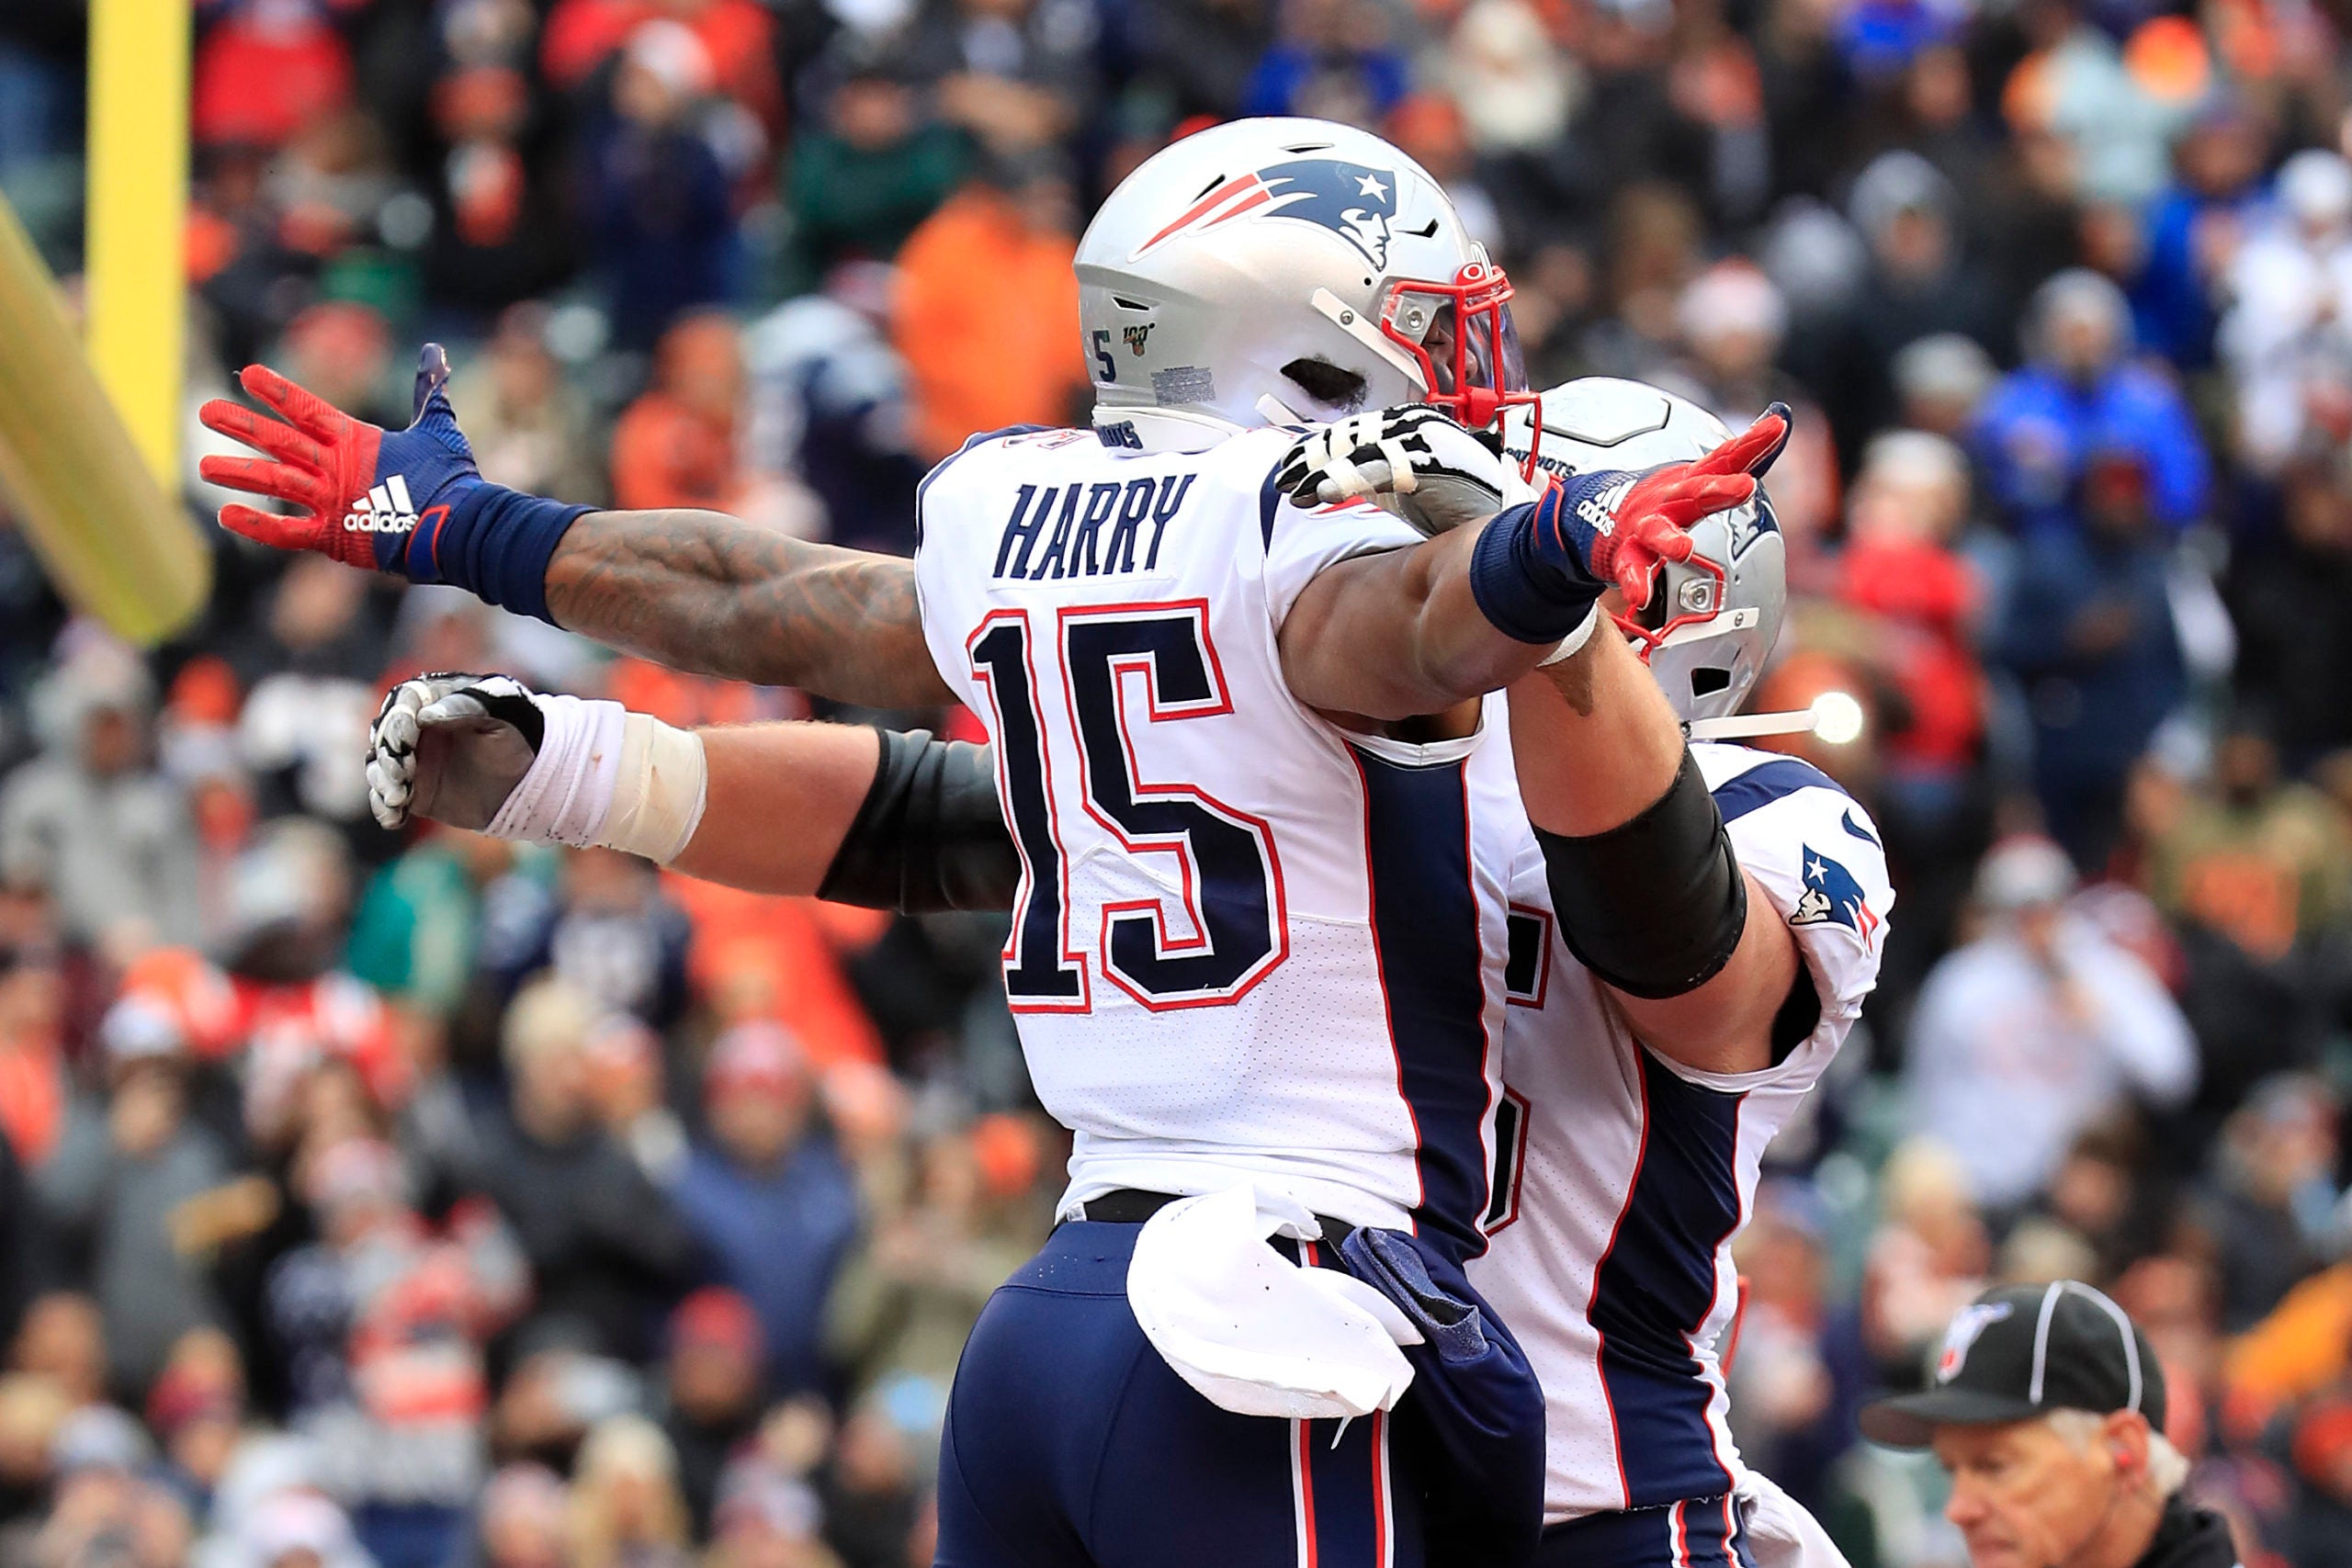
(1572, 644)
(663, 785)
(608, 777)
(569, 789)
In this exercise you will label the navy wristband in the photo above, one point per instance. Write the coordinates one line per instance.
(1524, 596)
(495, 543)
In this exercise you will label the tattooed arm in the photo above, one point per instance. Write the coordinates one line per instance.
(703, 591)
(699, 590)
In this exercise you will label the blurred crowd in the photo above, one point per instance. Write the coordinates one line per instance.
(420, 1200)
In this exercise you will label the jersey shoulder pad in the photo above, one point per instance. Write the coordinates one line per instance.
(1816, 851)
(971, 464)
(1301, 541)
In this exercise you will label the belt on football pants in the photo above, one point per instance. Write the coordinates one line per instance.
(1132, 1206)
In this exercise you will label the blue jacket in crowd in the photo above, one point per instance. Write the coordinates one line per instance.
(2034, 433)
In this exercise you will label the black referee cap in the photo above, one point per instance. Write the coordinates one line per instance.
(2022, 1351)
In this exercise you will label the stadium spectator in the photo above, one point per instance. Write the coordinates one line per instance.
(1910, 503)
(1733, 321)
(830, 402)
(528, 424)
(33, 1092)
(2089, 633)
(2194, 230)
(2284, 338)
(2280, 594)
(984, 303)
(2081, 397)
(1800, 1372)
(628, 1086)
(124, 1186)
(625, 1510)
(2267, 1215)
(266, 71)
(613, 936)
(716, 1380)
(767, 1198)
(92, 821)
(658, 196)
(2024, 1035)
(684, 444)
(1330, 60)
(1919, 284)
(605, 1247)
(523, 1518)
(905, 1305)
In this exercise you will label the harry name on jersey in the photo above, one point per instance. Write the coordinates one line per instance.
(1089, 530)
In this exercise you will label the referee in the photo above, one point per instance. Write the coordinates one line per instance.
(2046, 1406)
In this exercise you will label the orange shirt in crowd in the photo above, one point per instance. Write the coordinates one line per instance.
(755, 956)
(987, 316)
(2303, 1346)
(32, 1099)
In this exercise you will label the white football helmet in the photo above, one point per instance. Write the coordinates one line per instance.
(1711, 621)
(1235, 256)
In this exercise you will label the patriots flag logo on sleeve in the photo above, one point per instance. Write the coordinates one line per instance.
(1833, 897)
(1351, 200)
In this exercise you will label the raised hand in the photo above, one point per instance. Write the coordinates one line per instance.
(1633, 523)
(368, 496)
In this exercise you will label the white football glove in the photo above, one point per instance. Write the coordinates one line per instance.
(452, 747)
(1412, 461)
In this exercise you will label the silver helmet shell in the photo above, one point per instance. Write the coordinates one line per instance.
(1711, 621)
(1245, 247)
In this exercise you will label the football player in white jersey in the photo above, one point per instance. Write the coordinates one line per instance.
(1232, 751)
(1630, 1159)
(1624, 1172)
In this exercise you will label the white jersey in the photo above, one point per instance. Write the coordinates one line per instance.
(1248, 946)
(1626, 1176)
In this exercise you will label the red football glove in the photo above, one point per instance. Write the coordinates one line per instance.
(1645, 525)
(364, 492)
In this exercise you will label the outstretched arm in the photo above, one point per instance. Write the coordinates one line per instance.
(704, 591)
(1408, 632)
(697, 590)
(879, 818)
(1645, 885)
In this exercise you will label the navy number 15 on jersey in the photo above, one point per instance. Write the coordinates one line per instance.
(1232, 931)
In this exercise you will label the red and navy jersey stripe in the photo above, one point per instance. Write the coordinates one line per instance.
(1425, 924)
(1656, 1286)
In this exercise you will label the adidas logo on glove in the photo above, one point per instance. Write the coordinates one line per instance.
(385, 509)
(1600, 512)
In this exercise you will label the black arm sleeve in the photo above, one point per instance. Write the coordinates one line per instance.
(1656, 906)
(931, 835)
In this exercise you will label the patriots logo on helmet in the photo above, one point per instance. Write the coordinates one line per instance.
(1351, 200)
(1832, 897)
(1749, 523)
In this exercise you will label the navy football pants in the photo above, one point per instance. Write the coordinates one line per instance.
(1071, 1444)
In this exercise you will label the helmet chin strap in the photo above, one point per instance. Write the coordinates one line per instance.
(1737, 725)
